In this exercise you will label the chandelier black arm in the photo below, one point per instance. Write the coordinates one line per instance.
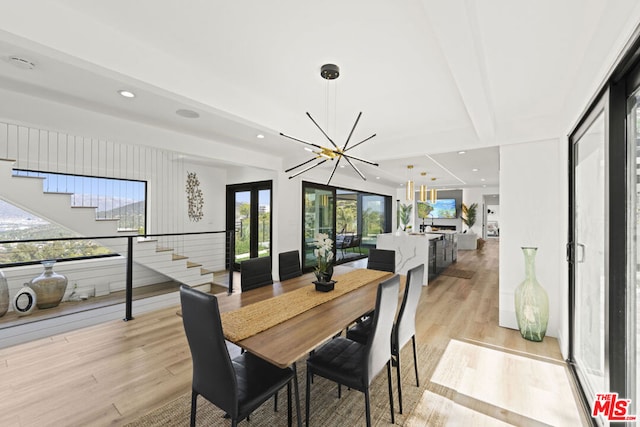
(364, 140)
(354, 168)
(334, 169)
(299, 140)
(326, 136)
(351, 133)
(301, 164)
(307, 169)
(348, 156)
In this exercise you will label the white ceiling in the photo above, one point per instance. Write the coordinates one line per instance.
(430, 77)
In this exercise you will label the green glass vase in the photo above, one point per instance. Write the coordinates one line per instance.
(532, 302)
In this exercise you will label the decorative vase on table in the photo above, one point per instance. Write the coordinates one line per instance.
(324, 259)
(49, 286)
(531, 301)
(4, 295)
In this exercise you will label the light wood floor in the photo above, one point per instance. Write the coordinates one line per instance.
(113, 373)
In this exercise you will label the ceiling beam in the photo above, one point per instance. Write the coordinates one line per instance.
(455, 25)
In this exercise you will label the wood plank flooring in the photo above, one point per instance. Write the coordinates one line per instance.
(113, 373)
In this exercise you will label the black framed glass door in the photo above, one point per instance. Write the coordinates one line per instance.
(604, 268)
(318, 216)
(249, 214)
(588, 248)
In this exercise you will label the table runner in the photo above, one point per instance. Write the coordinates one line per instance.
(262, 315)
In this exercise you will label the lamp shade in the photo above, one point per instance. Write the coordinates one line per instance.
(423, 193)
(409, 194)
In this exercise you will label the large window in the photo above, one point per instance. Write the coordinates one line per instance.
(120, 200)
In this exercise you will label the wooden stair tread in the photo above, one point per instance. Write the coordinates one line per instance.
(162, 249)
(193, 264)
(204, 271)
(177, 257)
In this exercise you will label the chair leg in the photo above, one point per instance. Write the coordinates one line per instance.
(415, 360)
(399, 381)
(194, 405)
(308, 397)
(297, 393)
(289, 418)
(393, 418)
(367, 406)
(339, 391)
(275, 402)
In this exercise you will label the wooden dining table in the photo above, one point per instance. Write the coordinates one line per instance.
(287, 342)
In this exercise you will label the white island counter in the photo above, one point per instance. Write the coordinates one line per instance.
(411, 250)
(436, 250)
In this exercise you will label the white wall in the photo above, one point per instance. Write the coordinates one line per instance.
(533, 204)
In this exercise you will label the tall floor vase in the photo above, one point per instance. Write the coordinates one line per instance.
(531, 300)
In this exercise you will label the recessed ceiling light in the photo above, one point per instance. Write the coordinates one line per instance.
(462, 152)
(189, 114)
(482, 179)
(22, 63)
(474, 169)
(377, 177)
(260, 136)
(127, 93)
(341, 166)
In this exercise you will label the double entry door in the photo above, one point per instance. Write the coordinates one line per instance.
(249, 216)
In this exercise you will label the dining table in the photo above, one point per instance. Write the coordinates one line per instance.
(283, 321)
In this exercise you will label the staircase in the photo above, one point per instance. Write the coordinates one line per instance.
(27, 193)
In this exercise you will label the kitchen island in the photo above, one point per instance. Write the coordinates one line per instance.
(436, 250)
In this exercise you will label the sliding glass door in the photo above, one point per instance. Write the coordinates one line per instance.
(318, 216)
(588, 249)
(604, 265)
(633, 262)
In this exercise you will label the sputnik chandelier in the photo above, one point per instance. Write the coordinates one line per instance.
(323, 154)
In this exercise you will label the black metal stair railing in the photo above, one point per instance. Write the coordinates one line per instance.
(227, 241)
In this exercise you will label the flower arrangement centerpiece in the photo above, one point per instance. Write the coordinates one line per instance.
(324, 256)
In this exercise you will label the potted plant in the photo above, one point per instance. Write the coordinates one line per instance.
(469, 215)
(405, 215)
(324, 256)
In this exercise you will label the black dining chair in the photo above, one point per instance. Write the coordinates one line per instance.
(289, 265)
(405, 327)
(353, 364)
(382, 259)
(255, 273)
(238, 386)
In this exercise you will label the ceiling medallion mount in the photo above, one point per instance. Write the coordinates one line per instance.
(330, 72)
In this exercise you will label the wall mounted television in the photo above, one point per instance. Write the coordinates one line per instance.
(442, 208)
